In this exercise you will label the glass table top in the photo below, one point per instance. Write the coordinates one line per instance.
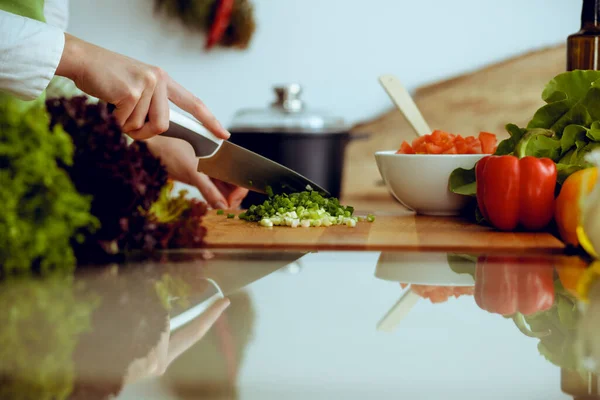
(324, 325)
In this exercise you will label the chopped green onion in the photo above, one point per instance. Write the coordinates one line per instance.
(304, 209)
(370, 218)
(220, 212)
(230, 216)
(266, 223)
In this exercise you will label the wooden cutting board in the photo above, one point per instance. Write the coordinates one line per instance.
(399, 231)
(487, 99)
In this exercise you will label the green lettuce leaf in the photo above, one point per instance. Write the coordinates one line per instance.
(508, 146)
(565, 170)
(571, 135)
(539, 143)
(570, 85)
(462, 181)
(549, 114)
(594, 132)
(462, 263)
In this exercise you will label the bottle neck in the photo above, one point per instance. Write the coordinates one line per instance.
(590, 14)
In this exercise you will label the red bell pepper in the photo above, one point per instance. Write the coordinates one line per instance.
(515, 192)
(220, 23)
(514, 285)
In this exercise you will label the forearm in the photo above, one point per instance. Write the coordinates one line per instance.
(72, 59)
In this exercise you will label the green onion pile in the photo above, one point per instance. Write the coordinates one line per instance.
(304, 209)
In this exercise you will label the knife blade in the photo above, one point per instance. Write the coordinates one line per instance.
(228, 162)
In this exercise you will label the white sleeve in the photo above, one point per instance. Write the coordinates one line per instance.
(29, 55)
(56, 13)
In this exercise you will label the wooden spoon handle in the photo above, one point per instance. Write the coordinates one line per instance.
(400, 310)
(405, 104)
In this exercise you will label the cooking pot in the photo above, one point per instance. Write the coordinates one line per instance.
(310, 142)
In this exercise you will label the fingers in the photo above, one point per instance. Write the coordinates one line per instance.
(209, 190)
(157, 116)
(190, 103)
(125, 107)
(137, 118)
(236, 197)
(143, 112)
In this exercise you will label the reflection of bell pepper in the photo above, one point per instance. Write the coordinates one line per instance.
(513, 191)
(589, 277)
(513, 285)
(570, 271)
(568, 208)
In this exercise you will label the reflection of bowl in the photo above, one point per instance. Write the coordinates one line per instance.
(421, 269)
(420, 181)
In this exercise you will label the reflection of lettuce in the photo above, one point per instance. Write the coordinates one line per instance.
(126, 326)
(462, 263)
(41, 320)
(555, 327)
(566, 129)
(560, 322)
(170, 289)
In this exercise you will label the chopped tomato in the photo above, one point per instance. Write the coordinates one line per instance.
(406, 148)
(441, 294)
(433, 148)
(451, 150)
(488, 142)
(440, 142)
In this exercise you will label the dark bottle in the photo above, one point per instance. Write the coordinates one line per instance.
(580, 386)
(583, 47)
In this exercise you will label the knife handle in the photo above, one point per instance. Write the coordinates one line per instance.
(205, 144)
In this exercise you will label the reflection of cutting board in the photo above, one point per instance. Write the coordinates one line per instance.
(400, 231)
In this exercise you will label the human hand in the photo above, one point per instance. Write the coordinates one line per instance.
(180, 160)
(140, 92)
(171, 346)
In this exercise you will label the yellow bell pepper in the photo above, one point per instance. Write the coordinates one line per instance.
(591, 275)
(588, 229)
(568, 203)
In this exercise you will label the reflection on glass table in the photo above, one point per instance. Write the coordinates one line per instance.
(554, 299)
(86, 335)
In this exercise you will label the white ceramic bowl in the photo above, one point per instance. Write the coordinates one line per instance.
(420, 181)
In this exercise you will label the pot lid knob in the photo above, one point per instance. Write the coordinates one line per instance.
(288, 97)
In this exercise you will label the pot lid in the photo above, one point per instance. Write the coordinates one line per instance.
(287, 114)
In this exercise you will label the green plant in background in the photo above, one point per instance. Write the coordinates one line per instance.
(41, 319)
(229, 23)
(41, 210)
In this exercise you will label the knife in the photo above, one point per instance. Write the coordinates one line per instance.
(228, 162)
